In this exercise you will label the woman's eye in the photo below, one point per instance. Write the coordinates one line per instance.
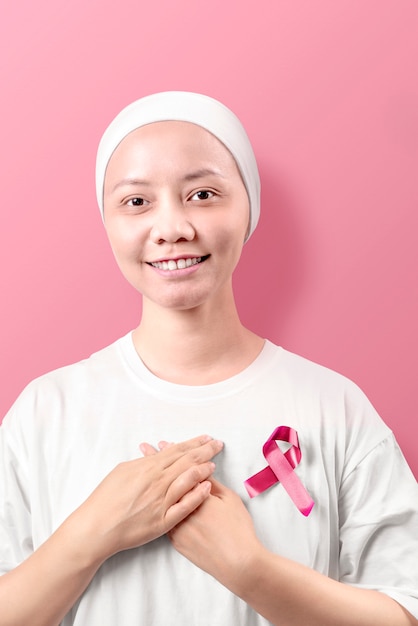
(136, 201)
(203, 194)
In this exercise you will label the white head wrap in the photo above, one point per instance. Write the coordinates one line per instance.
(185, 107)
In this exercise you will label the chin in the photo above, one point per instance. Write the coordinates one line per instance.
(179, 304)
(179, 296)
(179, 299)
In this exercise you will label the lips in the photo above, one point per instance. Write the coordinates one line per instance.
(178, 264)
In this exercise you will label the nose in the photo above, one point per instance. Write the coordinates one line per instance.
(171, 223)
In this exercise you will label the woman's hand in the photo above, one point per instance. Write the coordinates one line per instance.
(143, 499)
(219, 536)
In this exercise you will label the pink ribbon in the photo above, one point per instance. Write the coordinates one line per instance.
(280, 469)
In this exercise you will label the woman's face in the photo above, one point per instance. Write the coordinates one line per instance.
(176, 213)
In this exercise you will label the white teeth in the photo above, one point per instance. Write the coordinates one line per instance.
(180, 264)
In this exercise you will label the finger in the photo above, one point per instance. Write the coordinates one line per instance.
(184, 455)
(221, 491)
(147, 449)
(200, 448)
(218, 488)
(162, 445)
(187, 504)
(187, 481)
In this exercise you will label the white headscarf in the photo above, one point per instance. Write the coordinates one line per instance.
(184, 106)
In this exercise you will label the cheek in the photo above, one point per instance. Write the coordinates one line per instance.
(243, 224)
(127, 254)
(124, 240)
(234, 231)
(230, 241)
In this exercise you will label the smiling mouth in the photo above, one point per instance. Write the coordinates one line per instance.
(179, 264)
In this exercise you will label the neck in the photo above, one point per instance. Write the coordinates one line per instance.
(197, 346)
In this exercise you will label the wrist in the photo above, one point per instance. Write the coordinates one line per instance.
(82, 543)
(245, 574)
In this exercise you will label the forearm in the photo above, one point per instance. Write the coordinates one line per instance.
(290, 594)
(136, 502)
(42, 589)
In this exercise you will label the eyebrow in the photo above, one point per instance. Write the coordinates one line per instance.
(201, 173)
(125, 182)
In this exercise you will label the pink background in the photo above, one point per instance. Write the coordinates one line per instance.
(328, 91)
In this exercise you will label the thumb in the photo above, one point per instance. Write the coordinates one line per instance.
(217, 488)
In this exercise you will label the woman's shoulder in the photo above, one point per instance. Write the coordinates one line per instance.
(307, 373)
(70, 381)
(337, 401)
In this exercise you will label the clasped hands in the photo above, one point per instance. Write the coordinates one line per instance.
(218, 536)
(170, 490)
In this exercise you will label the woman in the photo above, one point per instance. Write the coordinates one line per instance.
(93, 533)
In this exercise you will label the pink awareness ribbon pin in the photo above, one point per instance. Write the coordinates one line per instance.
(280, 469)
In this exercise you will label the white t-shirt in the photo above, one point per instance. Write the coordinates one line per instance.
(69, 428)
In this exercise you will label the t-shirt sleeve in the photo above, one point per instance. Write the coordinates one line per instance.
(15, 518)
(378, 509)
